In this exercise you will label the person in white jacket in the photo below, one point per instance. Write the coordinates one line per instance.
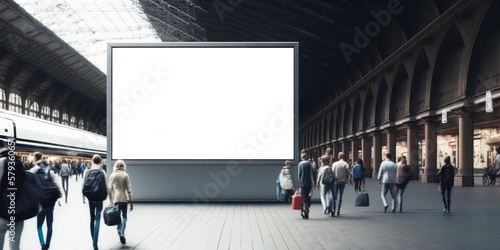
(286, 182)
(120, 193)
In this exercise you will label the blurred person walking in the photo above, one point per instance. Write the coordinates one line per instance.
(278, 187)
(358, 174)
(387, 172)
(94, 187)
(403, 176)
(286, 182)
(306, 183)
(446, 180)
(64, 178)
(342, 172)
(120, 193)
(52, 191)
(326, 181)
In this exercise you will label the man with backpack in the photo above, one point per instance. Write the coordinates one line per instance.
(326, 181)
(51, 191)
(95, 188)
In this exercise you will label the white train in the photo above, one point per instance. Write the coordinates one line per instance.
(33, 134)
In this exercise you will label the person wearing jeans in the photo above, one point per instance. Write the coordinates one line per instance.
(403, 177)
(325, 189)
(120, 193)
(387, 172)
(341, 172)
(95, 206)
(95, 220)
(306, 183)
(278, 188)
(446, 179)
(65, 177)
(47, 211)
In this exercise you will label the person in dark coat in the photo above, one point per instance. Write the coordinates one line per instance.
(306, 183)
(446, 179)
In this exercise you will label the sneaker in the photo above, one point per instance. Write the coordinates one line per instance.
(122, 238)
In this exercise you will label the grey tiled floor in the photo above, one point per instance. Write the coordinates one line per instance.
(472, 224)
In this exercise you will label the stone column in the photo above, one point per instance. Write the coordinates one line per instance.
(377, 154)
(366, 154)
(430, 171)
(345, 149)
(335, 152)
(465, 175)
(354, 146)
(412, 142)
(391, 143)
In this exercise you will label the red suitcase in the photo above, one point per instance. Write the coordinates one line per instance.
(297, 201)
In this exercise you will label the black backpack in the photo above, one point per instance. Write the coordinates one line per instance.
(49, 190)
(328, 178)
(27, 195)
(94, 186)
(407, 173)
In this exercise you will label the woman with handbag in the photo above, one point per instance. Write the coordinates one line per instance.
(120, 193)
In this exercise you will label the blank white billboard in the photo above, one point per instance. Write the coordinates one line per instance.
(202, 103)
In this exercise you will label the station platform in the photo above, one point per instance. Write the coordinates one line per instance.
(472, 223)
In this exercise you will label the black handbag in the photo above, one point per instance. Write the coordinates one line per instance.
(363, 200)
(112, 215)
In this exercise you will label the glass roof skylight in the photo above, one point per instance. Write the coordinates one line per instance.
(88, 25)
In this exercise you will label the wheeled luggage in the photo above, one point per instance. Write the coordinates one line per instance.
(297, 201)
(362, 200)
